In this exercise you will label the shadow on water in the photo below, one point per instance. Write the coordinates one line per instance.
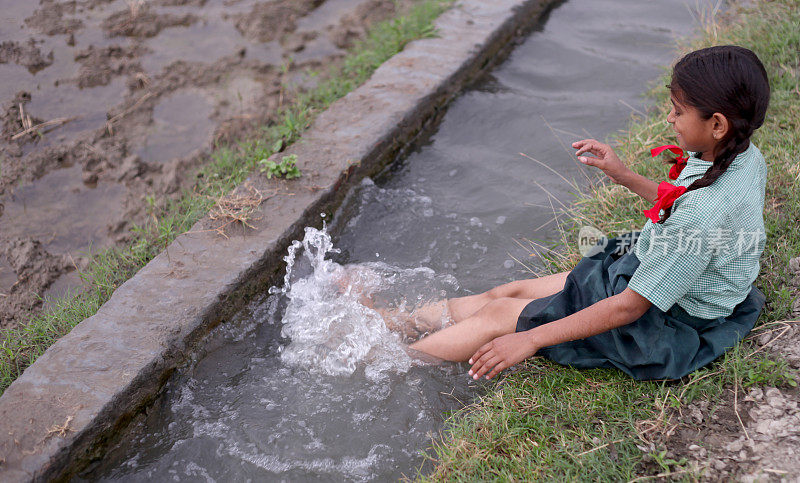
(308, 383)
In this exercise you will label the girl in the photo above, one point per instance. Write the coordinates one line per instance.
(683, 294)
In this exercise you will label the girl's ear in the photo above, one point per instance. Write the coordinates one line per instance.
(719, 126)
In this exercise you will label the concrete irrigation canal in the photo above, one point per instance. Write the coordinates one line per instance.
(196, 369)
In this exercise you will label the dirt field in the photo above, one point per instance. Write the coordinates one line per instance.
(131, 97)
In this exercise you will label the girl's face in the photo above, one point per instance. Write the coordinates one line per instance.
(693, 132)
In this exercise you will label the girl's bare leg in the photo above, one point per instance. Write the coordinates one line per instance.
(460, 341)
(483, 317)
(463, 307)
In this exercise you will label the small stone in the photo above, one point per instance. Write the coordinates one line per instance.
(693, 447)
(794, 265)
(796, 307)
(764, 338)
(735, 446)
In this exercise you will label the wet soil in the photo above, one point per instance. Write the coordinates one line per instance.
(134, 96)
(268, 21)
(26, 54)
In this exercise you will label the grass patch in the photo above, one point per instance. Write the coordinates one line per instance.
(548, 422)
(228, 167)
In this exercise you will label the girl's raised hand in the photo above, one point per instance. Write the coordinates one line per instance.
(606, 159)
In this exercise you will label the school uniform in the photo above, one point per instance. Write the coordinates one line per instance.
(697, 269)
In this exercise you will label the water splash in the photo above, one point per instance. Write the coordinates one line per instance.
(339, 318)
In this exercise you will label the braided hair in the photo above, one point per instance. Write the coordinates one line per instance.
(732, 81)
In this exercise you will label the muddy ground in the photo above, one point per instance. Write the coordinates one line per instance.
(131, 97)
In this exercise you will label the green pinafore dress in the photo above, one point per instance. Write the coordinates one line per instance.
(659, 345)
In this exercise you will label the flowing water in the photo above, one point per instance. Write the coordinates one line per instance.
(309, 383)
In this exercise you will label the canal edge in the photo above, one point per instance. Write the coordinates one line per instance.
(65, 407)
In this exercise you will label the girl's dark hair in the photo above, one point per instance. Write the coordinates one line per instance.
(730, 80)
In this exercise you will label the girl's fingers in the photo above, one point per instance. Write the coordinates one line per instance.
(587, 160)
(593, 147)
(479, 363)
(499, 367)
(476, 367)
(484, 348)
(582, 142)
(486, 367)
(585, 145)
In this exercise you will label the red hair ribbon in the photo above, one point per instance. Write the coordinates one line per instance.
(680, 160)
(667, 194)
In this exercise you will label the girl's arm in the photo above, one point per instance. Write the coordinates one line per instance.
(610, 313)
(608, 161)
(644, 187)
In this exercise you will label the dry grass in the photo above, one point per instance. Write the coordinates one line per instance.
(42, 125)
(238, 207)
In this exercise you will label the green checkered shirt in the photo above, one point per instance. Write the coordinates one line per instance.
(705, 256)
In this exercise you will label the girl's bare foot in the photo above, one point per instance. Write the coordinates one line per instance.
(360, 282)
(357, 281)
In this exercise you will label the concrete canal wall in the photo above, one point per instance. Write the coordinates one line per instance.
(64, 409)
